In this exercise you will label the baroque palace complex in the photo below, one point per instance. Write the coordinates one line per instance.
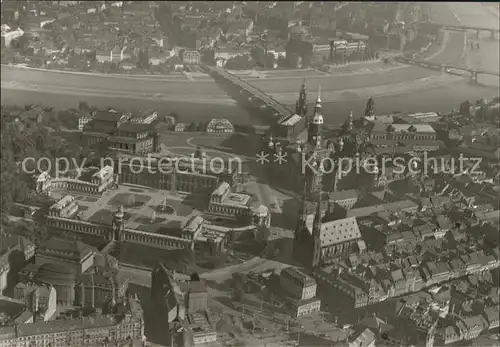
(118, 206)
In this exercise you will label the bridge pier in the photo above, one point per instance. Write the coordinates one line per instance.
(492, 34)
(473, 77)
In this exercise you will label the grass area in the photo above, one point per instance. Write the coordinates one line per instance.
(106, 217)
(180, 208)
(129, 200)
(235, 143)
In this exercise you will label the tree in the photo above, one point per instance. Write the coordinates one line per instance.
(83, 106)
(270, 60)
(174, 115)
(370, 108)
(191, 126)
(208, 56)
(143, 62)
(258, 56)
(21, 44)
(240, 62)
(201, 126)
(282, 61)
(293, 60)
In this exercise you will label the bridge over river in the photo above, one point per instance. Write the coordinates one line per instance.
(450, 69)
(252, 93)
(463, 28)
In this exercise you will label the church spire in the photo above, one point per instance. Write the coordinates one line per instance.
(316, 236)
(301, 104)
(314, 129)
(317, 217)
(303, 206)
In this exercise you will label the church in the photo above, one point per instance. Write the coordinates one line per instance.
(316, 242)
(303, 156)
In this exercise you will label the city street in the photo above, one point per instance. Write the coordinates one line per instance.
(143, 277)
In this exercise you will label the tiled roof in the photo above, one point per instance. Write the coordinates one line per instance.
(107, 116)
(299, 275)
(76, 249)
(337, 231)
(343, 195)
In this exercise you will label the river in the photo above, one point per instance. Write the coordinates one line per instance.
(440, 98)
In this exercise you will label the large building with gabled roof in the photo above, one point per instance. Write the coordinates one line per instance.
(317, 243)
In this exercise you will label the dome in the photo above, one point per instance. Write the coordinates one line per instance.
(56, 274)
(260, 210)
(120, 213)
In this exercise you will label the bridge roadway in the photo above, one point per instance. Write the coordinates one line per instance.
(463, 28)
(255, 92)
(446, 67)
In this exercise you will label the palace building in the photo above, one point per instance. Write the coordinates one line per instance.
(120, 134)
(197, 175)
(386, 134)
(89, 181)
(317, 243)
(223, 201)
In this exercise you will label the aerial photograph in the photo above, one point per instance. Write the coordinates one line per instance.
(250, 173)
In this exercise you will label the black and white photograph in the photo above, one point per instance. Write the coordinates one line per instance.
(250, 174)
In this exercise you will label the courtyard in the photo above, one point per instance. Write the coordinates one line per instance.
(144, 208)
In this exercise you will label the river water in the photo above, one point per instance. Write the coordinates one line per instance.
(435, 98)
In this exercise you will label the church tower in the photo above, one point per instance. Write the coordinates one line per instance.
(314, 179)
(301, 104)
(316, 236)
(118, 224)
(316, 123)
(429, 341)
(298, 245)
(335, 178)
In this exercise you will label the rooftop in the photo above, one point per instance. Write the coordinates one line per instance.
(73, 248)
(343, 195)
(299, 275)
(109, 116)
(135, 127)
(63, 326)
(391, 207)
(337, 231)
(236, 199)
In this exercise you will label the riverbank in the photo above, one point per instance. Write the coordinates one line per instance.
(441, 98)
